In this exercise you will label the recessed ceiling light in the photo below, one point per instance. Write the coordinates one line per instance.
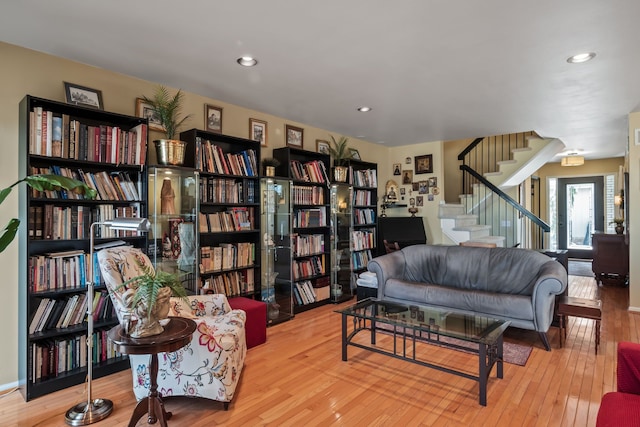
(247, 61)
(364, 109)
(581, 57)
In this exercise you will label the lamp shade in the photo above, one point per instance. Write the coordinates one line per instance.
(125, 223)
(572, 161)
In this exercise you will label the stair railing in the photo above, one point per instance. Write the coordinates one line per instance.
(506, 216)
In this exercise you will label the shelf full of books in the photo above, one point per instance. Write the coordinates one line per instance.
(228, 212)
(311, 233)
(363, 178)
(106, 151)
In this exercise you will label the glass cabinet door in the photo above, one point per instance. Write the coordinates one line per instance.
(173, 208)
(276, 253)
(342, 285)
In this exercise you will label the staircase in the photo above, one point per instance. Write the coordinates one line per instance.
(492, 168)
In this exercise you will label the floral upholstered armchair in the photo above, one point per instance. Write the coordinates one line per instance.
(211, 364)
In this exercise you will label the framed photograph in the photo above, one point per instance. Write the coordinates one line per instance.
(294, 136)
(354, 154)
(415, 186)
(397, 169)
(322, 146)
(433, 181)
(402, 191)
(258, 131)
(83, 96)
(423, 187)
(213, 118)
(424, 164)
(146, 110)
(407, 176)
(419, 200)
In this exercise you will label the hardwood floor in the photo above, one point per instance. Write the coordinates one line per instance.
(297, 378)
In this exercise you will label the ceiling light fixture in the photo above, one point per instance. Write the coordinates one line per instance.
(247, 61)
(581, 57)
(364, 109)
(572, 160)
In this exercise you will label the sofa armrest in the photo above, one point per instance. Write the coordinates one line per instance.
(628, 371)
(387, 267)
(551, 281)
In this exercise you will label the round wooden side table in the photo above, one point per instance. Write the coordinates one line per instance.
(177, 333)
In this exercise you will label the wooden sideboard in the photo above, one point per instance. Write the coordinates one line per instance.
(610, 259)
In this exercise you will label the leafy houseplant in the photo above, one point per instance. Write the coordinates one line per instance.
(270, 164)
(149, 287)
(168, 109)
(41, 183)
(340, 153)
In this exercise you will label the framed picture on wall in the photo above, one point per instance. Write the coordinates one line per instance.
(423, 164)
(146, 110)
(294, 136)
(213, 118)
(258, 131)
(322, 146)
(83, 96)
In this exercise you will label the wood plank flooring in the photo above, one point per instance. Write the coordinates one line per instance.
(297, 378)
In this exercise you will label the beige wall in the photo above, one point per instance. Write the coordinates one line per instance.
(452, 174)
(633, 198)
(25, 72)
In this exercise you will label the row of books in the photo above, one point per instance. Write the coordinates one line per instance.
(307, 244)
(57, 313)
(364, 178)
(313, 266)
(313, 217)
(364, 238)
(364, 216)
(54, 357)
(305, 195)
(59, 135)
(312, 171)
(108, 186)
(362, 198)
(50, 222)
(223, 190)
(227, 256)
(310, 291)
(231, 284)
(58, 271)
(361, 259)
(234, 219)
(211, 158)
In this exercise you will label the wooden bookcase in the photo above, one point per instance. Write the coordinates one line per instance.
(228, 221)
(311, 266)
(363, 176)
(105, 150)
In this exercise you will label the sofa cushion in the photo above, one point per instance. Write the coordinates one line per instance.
(619, 410)
(486, 303)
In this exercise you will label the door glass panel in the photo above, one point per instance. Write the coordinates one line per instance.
(580, 215)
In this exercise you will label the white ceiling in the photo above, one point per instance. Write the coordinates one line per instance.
(430, 69)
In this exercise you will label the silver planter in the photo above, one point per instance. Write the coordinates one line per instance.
(170, 151)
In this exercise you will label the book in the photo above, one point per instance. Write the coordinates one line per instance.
(37, 316)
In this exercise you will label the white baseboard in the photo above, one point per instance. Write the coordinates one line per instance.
(8, 386)
(634, 309)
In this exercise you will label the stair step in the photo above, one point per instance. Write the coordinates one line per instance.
(450, 210)
(472, 228)
(487, 174)
(466, 220)
(498, 240)
(507, 162)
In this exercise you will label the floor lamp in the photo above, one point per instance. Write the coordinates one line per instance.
(94, 410)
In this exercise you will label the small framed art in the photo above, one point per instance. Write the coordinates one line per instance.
(83, 96)
(294, 136)
(424, 164)
(213, 118)
(145, 110)
(322, 146)
(407, 176)
(354, 154)
(258, 131)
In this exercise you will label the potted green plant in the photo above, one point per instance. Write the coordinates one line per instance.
(169, 151)
(46, 182)
(147, 297)
(340, 153)
(619, 222)
(270, 164)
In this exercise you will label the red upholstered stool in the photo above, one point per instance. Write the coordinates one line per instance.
(256, 326)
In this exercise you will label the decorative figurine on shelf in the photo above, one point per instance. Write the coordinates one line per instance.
(413, 210)
(167, 198)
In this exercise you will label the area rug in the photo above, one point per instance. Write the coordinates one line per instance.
(512, 353)
(580, 268)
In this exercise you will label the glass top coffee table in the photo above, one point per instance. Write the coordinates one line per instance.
(410, 325)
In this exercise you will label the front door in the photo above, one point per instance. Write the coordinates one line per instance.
(580, 213)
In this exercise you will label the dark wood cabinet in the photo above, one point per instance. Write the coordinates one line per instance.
(610, 258)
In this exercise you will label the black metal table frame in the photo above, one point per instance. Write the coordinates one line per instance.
(489, 354)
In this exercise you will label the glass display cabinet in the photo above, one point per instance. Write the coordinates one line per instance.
(342, 283)
(173, 208)
(276, 253)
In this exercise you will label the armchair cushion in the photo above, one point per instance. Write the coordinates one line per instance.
(622, 408)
